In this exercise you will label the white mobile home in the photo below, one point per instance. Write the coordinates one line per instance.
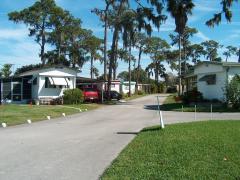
(125, 87)
(50, 82)
(211, 78)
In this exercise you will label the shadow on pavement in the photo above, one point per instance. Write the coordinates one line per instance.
(151, 107)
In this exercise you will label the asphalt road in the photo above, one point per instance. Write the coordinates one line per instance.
(80, 146)
(77, 147)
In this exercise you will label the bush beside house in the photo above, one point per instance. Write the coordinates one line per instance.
(72, 96)
(233, 92)
(192, 96)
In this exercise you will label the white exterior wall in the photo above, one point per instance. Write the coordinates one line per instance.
(39, 90)
(125, 87)
(215, 91)
(35, 89)
(52, 92)
(115, 87)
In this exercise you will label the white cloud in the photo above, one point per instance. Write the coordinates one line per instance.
(13, 34)
(202, 36)
(17, 48)
(169, 25)
(206, 6)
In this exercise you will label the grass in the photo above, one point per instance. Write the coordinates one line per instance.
(135, 96)
(171, 105)
(202, 150)
(19, 114)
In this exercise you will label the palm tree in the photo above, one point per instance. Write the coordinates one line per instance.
(129, 29)
(140, 43)
(180, 10)
(145, 18)
(105, 16)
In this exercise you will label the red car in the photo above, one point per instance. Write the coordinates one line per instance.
(90, 94)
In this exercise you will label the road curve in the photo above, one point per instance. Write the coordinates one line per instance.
(81, 146)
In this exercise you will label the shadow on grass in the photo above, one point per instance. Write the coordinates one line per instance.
(151, 129)
(134, 133)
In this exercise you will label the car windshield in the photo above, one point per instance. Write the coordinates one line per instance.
(89, 89)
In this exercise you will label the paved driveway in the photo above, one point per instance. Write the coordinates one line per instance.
(80, 146)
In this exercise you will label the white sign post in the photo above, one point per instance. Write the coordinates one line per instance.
(160, 114)
(4, 125)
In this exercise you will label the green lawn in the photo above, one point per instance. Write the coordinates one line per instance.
(202, 150)
(171, 105)
(19, 114)
(135, 96)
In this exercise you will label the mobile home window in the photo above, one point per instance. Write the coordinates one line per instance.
(48, 84)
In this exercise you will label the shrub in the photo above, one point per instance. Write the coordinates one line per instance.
(192, 96)
(141, 93)
(233, 92)
(57, 101)
(72, 96)
(161, 88)
(154, 88)
(172, 89)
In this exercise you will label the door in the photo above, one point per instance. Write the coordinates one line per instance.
(16, 91)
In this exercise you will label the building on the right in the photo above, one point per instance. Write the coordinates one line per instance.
(210, 78)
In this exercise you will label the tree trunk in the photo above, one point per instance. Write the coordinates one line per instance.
(157, 76)
(91, 70)
(180, 67)
(138, 69)
(43, 60)
(115, 60)
(113, 48)
(105, 44)
(129, 69)
(185, 65)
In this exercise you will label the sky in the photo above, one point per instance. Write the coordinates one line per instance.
(19, 49)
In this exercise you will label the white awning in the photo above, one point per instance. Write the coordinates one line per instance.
(58, 81)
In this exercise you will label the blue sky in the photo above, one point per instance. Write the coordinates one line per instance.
(19, 49)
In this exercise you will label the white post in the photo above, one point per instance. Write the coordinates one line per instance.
(182, 108)
(102, 91)
(49, 117)
(161, 120)
(29, 121)
(160, 114)
(63, 114)
(195, 114)
(4, 125)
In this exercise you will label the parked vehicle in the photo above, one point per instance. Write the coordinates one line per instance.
(90, 94)
(113, 94)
